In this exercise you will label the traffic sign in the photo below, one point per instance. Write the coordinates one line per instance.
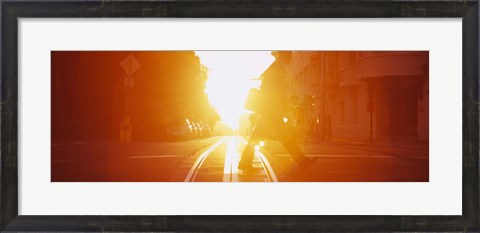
(130, 65)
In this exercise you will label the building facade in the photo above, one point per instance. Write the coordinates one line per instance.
(359, 95)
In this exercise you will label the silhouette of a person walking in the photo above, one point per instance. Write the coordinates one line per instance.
(271, 108)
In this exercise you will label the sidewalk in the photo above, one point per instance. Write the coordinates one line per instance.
(397, 148)
(412, 144)
(406, 144)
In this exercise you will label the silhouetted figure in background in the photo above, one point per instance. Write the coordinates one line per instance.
(272, 107)
(300, 121)
(328, 128)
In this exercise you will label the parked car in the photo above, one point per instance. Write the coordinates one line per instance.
(207, 132)
(200, 129)
(195, 130)
(180, 129)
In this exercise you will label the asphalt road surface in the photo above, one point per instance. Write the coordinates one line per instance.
(216, 159)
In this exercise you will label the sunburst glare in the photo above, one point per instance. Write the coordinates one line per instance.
(230, 76)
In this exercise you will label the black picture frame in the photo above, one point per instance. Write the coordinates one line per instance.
(11, 11)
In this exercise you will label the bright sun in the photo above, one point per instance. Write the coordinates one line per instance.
(230, 75)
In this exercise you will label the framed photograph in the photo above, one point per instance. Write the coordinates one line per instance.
(239, 116)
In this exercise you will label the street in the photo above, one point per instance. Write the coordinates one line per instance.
(215, 159)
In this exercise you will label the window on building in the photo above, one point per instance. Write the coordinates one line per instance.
(316, 73)
(351, 58)
(295, 83)
(342, 111)
(302, 78)
(358, 55)
(354, 106)
(309, 78)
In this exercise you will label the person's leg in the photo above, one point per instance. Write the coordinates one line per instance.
(292, 147)
(286, 135)
(248, 152)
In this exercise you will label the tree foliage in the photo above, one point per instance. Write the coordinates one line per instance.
(89, 97)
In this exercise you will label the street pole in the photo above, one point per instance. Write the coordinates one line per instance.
(126, 125)
(371, 109)
(371, 127)
(324, 83)
(127, 100)
(130, 65)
